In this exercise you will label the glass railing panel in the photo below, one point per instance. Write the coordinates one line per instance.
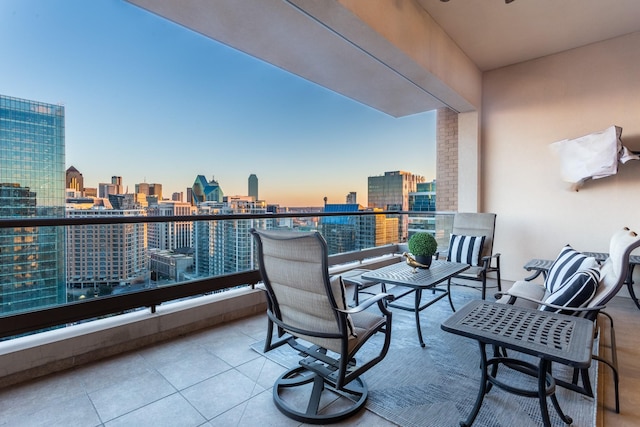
(439, 224)
(46, 266)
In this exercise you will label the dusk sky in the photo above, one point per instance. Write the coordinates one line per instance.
(151, 101)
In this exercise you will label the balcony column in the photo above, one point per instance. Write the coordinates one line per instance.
(469, 188)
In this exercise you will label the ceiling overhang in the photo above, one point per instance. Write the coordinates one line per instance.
(283, 34)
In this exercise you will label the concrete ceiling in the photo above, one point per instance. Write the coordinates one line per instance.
(494, 34)
(491, 33)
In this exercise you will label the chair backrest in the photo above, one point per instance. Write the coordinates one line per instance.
(613, 272)
(476, 224)
(294, 268)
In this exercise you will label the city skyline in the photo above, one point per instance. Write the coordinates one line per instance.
(151, 101)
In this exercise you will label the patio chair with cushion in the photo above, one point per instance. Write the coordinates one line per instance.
(471, 242)
(577, 285)
(310, 312)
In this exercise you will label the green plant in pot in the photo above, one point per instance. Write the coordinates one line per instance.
(423, 246)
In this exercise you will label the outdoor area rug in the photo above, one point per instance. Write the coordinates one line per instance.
(437, 385)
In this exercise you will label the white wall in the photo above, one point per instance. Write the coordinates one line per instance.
(528, 106)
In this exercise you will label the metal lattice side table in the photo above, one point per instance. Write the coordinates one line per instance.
(549, 336)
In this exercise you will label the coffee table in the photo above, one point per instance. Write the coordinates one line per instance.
(551, 337)
(402, 275)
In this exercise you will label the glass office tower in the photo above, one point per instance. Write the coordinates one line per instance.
(32, 181)
(391, 192)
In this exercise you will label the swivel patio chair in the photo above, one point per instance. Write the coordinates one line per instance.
(573, 286)
(471, 243)
(310, 313)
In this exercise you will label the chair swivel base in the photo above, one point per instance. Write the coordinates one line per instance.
(299, 380)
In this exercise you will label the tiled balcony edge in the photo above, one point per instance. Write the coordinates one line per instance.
(29, 357)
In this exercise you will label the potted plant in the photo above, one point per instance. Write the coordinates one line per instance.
(423, 246)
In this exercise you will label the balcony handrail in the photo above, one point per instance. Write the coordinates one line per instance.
(52, 221)
(49, 317)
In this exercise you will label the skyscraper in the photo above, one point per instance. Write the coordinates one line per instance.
(170, 235)
(32, 183)
(105, 188)
(391, 192)
(74, 180)
(100, 256)
(253, 186)
(223, 247)
(117, 181)
(203, 191)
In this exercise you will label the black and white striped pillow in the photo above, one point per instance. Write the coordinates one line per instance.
(465, 249)
(575, 292)
(566, 264)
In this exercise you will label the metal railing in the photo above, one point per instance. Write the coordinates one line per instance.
(13, 324)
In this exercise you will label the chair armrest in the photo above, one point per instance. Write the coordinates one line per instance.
(367, 303)
(490, 256)
(499, 295)
(486, 262)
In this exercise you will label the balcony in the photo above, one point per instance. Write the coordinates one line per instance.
(147, 386)
(136, 368)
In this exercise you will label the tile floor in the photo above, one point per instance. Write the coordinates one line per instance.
(213, 378)
(210, 378)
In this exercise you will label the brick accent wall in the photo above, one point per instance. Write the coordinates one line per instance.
(447, 160)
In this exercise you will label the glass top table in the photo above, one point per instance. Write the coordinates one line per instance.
(415, 281)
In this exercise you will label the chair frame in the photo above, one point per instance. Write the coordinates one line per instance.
(339, 372)
(487, 260)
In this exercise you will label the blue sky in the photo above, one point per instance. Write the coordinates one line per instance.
(152, 101)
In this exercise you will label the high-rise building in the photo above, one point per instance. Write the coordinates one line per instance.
(32, 183)
(155, 189)
(100, 256)
(339, 231)
(74, 180)
(170, 235)
(391, 192)
(351, 198)
(222, 247)
(177, 196)
(253, 186)
(424, 198)
(147, 189)
(142, 188)
(117, 181)
(105, 188)
(376, 230)
(206, 191)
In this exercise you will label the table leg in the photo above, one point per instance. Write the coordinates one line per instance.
(546, 386)
(542, 392)
(481, 391)
(417, 310)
